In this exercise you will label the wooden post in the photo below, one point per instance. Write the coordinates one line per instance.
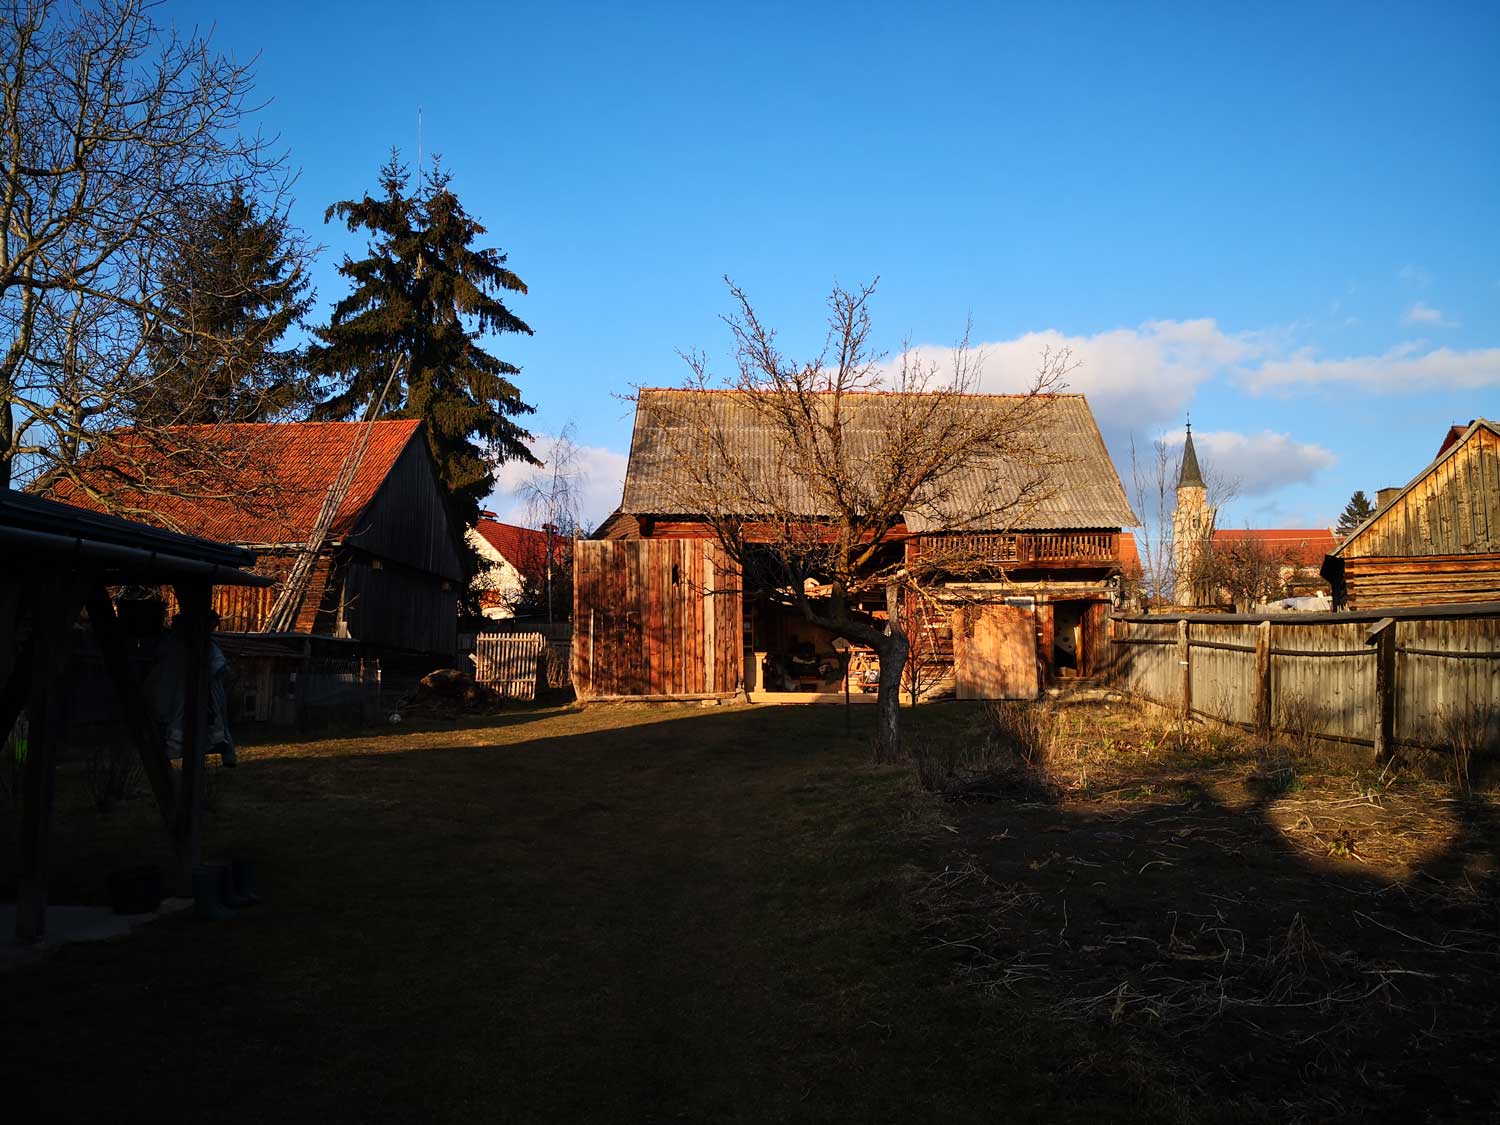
(195, 599)
(55, 604)
(1383, 636)
(144, 731)
(1263, 679)
(1185, 662)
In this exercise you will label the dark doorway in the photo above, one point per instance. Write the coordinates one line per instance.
(1069, 642)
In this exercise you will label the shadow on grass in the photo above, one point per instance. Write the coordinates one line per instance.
(1216, 949)
(606, 915)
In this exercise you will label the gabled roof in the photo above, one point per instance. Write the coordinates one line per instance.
(252, 483)
(1304, 546)
(1084, 488)
(1449, 449)
(522, 547)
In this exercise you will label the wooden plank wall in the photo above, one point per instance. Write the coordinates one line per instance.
(1322, 674)
(655, 618)
(1379, 583)
(1454, 510)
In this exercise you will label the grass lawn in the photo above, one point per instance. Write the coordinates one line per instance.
(610, 914)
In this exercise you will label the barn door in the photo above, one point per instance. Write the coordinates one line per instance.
(994, 652)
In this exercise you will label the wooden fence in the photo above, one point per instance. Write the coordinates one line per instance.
(510, 663)
(1397, 678)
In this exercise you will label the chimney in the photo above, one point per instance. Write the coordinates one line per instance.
(1384, 497)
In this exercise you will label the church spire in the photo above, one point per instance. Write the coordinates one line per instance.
(1191, 476)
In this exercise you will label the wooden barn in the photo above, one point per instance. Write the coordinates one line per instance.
(1434, 542)
(1035, 611)
(383, 583)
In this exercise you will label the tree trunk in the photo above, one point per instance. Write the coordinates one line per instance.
(892, 648)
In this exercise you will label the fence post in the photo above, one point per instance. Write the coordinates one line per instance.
(1263, 679)
(1383, 636)
(1185, 661)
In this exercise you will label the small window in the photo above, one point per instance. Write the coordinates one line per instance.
(676, 575)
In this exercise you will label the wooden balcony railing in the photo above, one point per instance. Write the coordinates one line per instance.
(1048, 548)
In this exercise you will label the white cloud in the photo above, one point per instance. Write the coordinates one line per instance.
(1256, 464)
(1135, 378)
(1406, 367)
(1422, 313)
(601, 477)
(1415, 276)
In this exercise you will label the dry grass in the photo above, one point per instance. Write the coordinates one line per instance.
(1277, 917)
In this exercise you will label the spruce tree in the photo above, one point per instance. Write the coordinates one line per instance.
(425, 292)
(1355, 513)
(229, 289)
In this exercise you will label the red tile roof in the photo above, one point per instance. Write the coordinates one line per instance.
(522, 547)
(261, 483)
(1305, 546)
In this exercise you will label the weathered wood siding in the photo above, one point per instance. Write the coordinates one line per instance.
(407, 521)
(398, 608)
(655, 618)
(1436, 543)
(1375, 583)
(1453, 510)
(1322, 671)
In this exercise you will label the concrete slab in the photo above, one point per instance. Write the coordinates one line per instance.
(68, 924)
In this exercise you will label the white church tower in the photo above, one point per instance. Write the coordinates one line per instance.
(1192, 522)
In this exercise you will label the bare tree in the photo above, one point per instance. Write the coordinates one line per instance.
(1245, 568)
(111, 127)
(846, 451)
(552, 494)
(1163, 580)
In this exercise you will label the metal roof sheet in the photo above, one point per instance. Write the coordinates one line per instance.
(1083, 489)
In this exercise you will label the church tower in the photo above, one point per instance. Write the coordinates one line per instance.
(1192, 521)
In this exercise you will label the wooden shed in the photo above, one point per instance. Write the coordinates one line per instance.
(389, 572)
(58, 563)
(656, 619)
(1436, 541)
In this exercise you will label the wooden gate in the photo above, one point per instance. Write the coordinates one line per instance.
(655, 619)
(994, 652)
(511, 663)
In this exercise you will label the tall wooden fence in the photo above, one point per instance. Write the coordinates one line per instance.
(1398, 678)
(655, 619)
(510, 663)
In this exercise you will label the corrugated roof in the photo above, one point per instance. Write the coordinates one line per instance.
(257, 483)
(1083, 488)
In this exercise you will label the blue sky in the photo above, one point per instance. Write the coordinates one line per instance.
(1283, 217)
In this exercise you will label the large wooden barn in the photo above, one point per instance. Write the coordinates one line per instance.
(659, 612)
(1435, 541)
